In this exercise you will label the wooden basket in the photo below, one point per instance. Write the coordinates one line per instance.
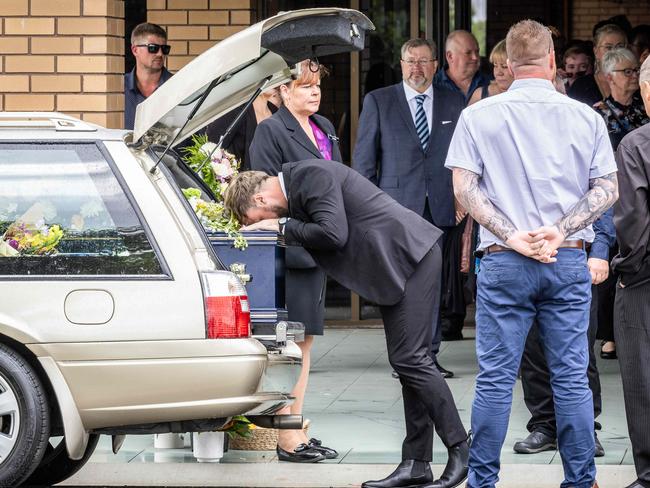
(261, 440)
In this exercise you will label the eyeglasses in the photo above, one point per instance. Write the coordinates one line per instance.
(419, 62)
(154, 48)
(628, 71)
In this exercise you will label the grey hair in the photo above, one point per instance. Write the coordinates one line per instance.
(608, 29)
(644, 74)
(413, 43)
(612, 58)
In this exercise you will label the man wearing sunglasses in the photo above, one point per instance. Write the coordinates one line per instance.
(149, 47)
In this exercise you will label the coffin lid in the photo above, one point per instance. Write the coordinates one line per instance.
(241, 62)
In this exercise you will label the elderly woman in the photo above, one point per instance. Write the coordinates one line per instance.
(295, 133)
(623, 112)
(502, 75)
(593, 88)
(623, 109)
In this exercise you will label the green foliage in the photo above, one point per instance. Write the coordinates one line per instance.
(239, 426)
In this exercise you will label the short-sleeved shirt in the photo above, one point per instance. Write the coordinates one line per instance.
(535, 151)
(133, 97)
(479, 80)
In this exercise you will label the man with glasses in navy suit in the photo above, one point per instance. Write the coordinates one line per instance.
(150, 49)
(402, 140)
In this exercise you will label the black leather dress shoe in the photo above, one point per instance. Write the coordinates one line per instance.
(455, 472)
(535, 442)
(301, 454)
(409, 474)
(444, 372)
(637, 484)
(318, 445)
(600, 450)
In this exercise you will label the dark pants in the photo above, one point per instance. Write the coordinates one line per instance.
(436, 329)
(632, 330)
(428, 402)
(536, 378)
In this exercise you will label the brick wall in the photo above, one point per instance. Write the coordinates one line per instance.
(586, 13)
(195, 25)
(63, 55)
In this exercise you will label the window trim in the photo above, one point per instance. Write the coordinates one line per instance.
(166, 274)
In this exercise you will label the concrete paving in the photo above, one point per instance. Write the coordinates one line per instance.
(355, 407)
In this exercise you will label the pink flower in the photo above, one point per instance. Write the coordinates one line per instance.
(13, 243)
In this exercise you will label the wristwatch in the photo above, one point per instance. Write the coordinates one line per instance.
(282, 221)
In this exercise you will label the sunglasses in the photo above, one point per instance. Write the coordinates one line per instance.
(153, 48)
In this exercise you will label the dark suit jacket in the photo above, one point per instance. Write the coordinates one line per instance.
(360, 236)
(280, 139)
(239, 140)
(388, 151)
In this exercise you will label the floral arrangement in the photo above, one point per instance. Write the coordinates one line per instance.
(216, 167)
(213, 216)
(21, 239)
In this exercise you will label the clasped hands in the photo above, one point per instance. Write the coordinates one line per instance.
(540, 244)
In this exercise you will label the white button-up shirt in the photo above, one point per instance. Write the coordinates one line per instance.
(535, 150)
(413, 104)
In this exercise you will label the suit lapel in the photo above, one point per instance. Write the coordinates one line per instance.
(297, 134)
(404, 109)
(436, 117)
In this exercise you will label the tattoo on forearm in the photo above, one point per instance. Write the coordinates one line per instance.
(479, 206)
(602, 195)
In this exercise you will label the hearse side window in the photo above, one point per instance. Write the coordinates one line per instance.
(63, 212)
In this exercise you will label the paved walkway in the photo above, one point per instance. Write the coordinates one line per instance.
(355, 406)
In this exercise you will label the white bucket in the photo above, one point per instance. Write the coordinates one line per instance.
(208, 446)
(168, 441)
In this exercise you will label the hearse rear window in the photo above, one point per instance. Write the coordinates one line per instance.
(64, 212)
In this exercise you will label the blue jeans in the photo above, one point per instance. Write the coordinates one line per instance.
(513, 291)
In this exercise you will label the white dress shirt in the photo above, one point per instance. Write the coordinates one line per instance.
(413, 104)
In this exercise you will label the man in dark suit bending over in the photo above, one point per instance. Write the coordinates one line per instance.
(374, 246)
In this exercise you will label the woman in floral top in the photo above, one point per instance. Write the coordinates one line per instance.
(623, 110)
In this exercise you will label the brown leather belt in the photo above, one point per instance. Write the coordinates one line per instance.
(579, 244)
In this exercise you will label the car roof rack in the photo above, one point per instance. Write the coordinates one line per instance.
(43, 120)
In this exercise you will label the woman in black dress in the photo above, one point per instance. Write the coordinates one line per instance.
(295, 133)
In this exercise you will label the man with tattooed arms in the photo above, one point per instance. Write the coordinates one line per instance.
(535, 169)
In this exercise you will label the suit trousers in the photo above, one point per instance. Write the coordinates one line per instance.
(428, 402)
(632, 331)
(536, 377)
(514, 291)
(436, 325)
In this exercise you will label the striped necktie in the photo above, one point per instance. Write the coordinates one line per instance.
(421, 124)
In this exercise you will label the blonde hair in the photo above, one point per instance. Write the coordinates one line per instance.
(499, 51)
(239, 194)
(528, 43)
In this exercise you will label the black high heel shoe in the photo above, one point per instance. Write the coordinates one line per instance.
(301, 454)
(327, 451)
(607, 354)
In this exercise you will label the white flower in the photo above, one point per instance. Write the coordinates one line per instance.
(207, 148)
(91, 208)
(222, 170)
